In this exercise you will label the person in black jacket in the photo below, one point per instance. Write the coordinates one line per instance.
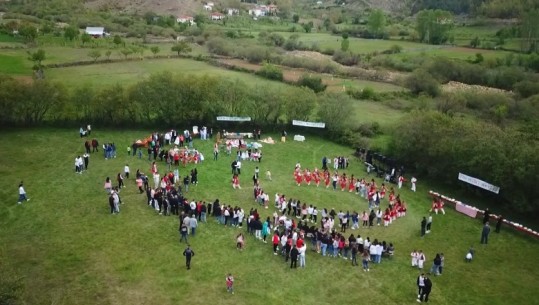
(423, 226)
(294, 257)
(188, 253)
(426, 290)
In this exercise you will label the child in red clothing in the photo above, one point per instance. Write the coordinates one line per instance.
(230, 283)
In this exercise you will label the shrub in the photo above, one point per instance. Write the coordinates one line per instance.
(313, 82)
(526, 88)
(219, 46)
(421, 81)
(270, 71)
(346, 58)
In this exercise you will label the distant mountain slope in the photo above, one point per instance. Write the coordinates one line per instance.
(164, 7)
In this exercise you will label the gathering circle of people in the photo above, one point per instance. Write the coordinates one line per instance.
(294, 223)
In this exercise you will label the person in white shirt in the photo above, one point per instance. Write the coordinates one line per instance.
(126, 171)
(373, 251)
(413, 181)
(302, 253)
(238, 167)
(22, 194)
(379, 250)
(421, 259)
(156, 179)
(414, 256)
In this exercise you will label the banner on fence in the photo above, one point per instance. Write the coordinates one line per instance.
(466, 209)
(479, 183)
(309, 124)
(234, 118)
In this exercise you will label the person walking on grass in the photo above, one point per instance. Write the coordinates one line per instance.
(126, 171)
(22, 194)
(188, 253)
(420, 282)
(183, 232)
(426, 290)
(485, 233)
(229, 283)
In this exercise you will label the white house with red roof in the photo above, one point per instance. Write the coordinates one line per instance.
(217, 16)
(186, 19)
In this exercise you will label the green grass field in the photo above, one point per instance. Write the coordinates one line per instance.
(68, 249)
(133, 71)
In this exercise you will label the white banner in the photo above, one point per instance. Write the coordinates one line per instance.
(480, 183)
(309, 124)
(234, 118)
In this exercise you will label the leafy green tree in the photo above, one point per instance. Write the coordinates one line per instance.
(117, 40)
(376, 23)
(433, 26)
(126, 52)
(345, 43)
(474, 43)
(181, 47)
(37, 58)
(85, 38)
(155, 50)
(271, 71)
(529, 31)
(94, 54)
(46, 28)
(295, 18)
(308, 27)
(108, 53)
(29, 32)
(71, 33)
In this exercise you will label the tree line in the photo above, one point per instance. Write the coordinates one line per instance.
(440, 146)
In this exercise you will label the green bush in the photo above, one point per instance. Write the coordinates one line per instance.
(526, 88)
(421, 81)
(346, 58)
(270, 71)
(313, 82)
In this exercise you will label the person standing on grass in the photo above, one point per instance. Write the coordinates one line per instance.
(294, 253)
(423, 226)
(22, 194)
(436, 265)
(421, 259)
(413, 181)
(230, 283)
(486, 216)
(365, 259)
(426, 290)
(126, 171)
(193, 224)
(420, 282)
(188, 253)
(86, 158)
(485, 233)
(183, 232)
(499, 224)
(108, 185)
(442, 261)
(429, 223)
(120, 180)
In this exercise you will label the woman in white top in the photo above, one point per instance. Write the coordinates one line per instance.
(421, 259)
(414, 256)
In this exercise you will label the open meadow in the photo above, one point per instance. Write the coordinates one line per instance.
(65, 247)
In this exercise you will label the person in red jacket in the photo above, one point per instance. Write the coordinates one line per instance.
(275, 240)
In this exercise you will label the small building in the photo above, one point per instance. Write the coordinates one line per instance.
(95, 32)
(217, 16)
(208, 7)
(232, 11)
(185, 19)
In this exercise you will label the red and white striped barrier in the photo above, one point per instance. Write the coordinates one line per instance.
(473, 211)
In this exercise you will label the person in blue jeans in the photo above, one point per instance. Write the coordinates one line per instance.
(193, 223)
(365, 259)
(485, 233)
(183, 233)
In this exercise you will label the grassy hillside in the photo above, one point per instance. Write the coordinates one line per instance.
(68, 249)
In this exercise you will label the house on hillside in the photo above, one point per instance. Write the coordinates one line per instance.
(185, 19)
(209, 6)
(95, 32)
(232, 11)
(217, 16)
(263, 10)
